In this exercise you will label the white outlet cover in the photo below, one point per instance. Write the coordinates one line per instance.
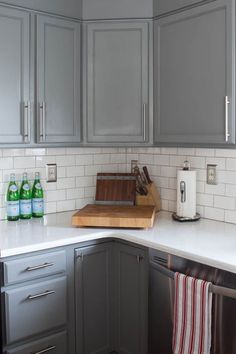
(51, 172)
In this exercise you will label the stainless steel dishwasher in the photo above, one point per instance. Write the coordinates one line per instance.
(161, 300)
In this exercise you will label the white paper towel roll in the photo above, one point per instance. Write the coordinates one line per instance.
(186, 193)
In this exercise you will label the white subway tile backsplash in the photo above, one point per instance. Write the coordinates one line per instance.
(77, 169)
(65, 160)
(6, 163)
(214, 213)
(224, 202)
(204, 199)
(163, 160)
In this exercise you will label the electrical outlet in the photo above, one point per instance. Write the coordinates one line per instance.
(211, 174)
(51, 172)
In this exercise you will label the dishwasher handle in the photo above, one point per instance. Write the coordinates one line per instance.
(215, 289)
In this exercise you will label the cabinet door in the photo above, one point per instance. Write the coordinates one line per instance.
(117, 82)
(194, 75)
(14, 76)
(58, 80)
(131, 300)
(93, 299)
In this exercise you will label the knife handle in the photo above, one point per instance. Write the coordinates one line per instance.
(145, 170)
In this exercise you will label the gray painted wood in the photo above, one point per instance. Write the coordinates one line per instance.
(93, 277)
(194, 71)
(161, 7)
(131, 299)
(36, 266)
(25, 318)
(58, 79)
(113, 9)
(70, 8)
(14, 74)
(57, 341)
(117, 82)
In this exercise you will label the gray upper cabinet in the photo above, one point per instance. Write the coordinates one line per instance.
(14, 74)
(131, 300)
(161, 7)
(194, 76)
(113, 9)
(70, 8)
(117, 98)
(93, 288)
(58, 80)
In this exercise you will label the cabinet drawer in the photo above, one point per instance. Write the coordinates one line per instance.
(19, 270)
(56, 344)
(35, 309)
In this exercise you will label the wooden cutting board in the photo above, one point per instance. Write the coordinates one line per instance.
(115, 216)
(115, 188)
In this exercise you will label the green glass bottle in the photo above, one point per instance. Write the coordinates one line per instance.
(13, 203)
(37, 198)
(25, 199)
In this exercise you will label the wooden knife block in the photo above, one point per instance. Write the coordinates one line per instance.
(152, 198)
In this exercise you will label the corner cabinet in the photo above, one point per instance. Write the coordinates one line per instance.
(131, 299)
(194, 76)
(111, 292)
(93, 289)
(58, 80)
(14, 74)
(117, 106)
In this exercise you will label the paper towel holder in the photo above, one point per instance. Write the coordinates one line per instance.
(186, 167)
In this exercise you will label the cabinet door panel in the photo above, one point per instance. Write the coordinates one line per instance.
(58, 66)
(194, 72)
(93, 299)
(117, 79)
(14, 74)
(131, 274)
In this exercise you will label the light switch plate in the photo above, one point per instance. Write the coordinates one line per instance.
(51, 172)
(211, 174)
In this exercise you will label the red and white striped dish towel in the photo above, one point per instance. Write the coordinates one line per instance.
(192, 316)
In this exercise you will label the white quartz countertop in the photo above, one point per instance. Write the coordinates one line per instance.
(206, 241)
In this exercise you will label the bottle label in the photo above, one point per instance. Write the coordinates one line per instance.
(38, 205)
(25, 207)
(26, 187)
(13, 208)
(38, 186)
(13, 188)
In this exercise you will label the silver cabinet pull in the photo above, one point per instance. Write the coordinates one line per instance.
(144, 121)
(227, 102)
(41, 266)
(42, 116)
(46, 350)
(26, 122)
(36, 296)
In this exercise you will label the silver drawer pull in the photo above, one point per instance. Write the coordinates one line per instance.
(46, 293)
(41, 266)
(48, 349)
(227, 102)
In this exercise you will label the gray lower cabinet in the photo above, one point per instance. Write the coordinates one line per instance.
(93, 289)
(111, 283)
(58, 80)
(55, 344)
(194, 76)
(117, 93)
(131, 299)
(14, 74)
